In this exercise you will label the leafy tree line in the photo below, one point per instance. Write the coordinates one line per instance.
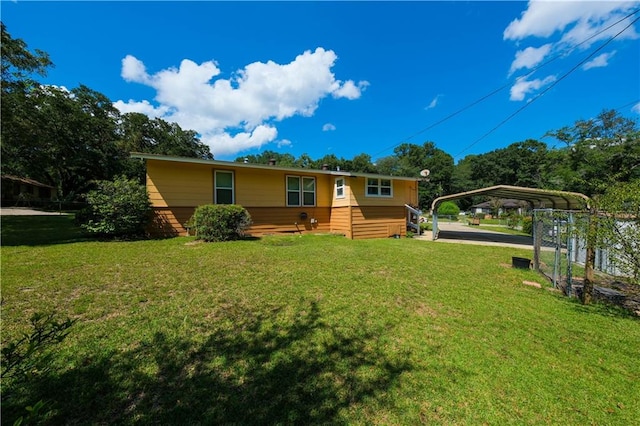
(71, 138)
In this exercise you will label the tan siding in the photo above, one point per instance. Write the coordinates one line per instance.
(346, 200)
(341, 220)
(177, 184)
(267, 188)
(404, 192)
(378, 221)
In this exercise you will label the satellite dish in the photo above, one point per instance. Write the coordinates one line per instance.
(425, 172)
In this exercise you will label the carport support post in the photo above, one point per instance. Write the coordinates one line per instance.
(434, 231)
(587, 288)
(537, 241)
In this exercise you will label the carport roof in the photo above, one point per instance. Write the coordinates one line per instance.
(537, 198)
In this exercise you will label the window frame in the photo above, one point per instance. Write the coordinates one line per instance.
(379, 187)
(340, 187)
(300, 191)
(216, 187)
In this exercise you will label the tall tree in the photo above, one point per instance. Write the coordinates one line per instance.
(18, 63)
(139, 133)
(601, 151)
(414, 158)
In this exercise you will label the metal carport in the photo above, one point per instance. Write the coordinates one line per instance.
(537, 199)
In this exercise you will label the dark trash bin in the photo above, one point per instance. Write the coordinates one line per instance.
(521, 262)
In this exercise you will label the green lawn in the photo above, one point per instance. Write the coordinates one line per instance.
(311, 329)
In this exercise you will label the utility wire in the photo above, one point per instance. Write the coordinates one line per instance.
(551, 86)
(501, 88)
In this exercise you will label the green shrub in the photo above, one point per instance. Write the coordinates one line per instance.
(527, 225)
(220, 222)
(425, 226)
(513, 219)
(448, 208)
(480, 215)
(118, 208)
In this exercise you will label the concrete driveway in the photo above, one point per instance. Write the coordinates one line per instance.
(25, 211)
(455, 232)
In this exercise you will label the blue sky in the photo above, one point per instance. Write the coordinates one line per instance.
(344, 77)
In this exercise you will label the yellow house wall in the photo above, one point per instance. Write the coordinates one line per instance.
(175, 189)
(267, 188)
(179, 185)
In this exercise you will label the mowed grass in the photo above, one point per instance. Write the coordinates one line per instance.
(312, 329)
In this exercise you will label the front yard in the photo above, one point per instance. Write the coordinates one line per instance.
(311, 329)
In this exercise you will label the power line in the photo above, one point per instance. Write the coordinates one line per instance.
(551, 86)
(509, 82)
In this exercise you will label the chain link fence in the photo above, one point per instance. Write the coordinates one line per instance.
(560, 250)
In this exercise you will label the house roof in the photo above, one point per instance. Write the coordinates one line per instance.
(219, 163)
(27, 181)
(537, 198)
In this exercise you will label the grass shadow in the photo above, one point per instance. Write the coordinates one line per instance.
(40, 230)
(271, 367)
(602, 308)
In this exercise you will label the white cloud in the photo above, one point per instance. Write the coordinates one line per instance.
(565, 25)
(599, 61)
(350, 90)
(226, 144)
(524, 86)
(283, 142)
(544, 18)
(530, 57)
(328, 127)
(237, 113)
(143, 107)
(434, 102)
(636, 108)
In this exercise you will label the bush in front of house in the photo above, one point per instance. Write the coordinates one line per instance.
(220, 222)
(118, 208)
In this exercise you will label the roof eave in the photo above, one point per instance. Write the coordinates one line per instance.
(158, 157)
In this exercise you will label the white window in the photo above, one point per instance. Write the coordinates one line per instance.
(379, 187)
(224, 191)
(340, 188)
(301, 191)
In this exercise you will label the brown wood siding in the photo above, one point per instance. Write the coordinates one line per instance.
(341, 221)
(272, 220)
(378, 221)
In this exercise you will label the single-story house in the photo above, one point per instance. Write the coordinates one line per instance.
(506, 205)
(20, 191)
(281, 199)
